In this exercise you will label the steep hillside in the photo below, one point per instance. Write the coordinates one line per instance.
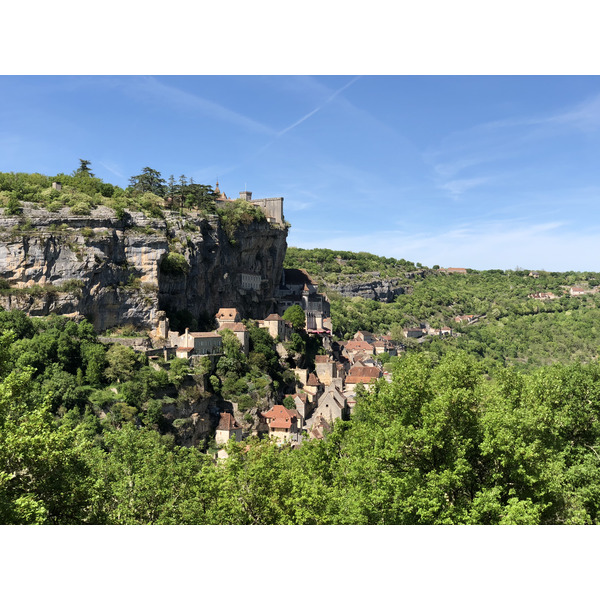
(356, 273)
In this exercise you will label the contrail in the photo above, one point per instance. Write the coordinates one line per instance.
(312, 112)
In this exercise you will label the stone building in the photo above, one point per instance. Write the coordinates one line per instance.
(249, 281)
(227, 429)
(283, 423)
(326, 369)
(332, 405)
(275, 325)
(241, 333)
(272, 207)
(298, 288)
(198, 343)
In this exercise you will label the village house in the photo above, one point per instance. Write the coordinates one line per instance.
(383, 346)
(275, 325)
(228, 315)
(303, 406)
(241, 333)
(319, 429)
(332, 405)
(576, 291)
(283, 423)
(229, 318)
(313, 388)
(325, 368)
(353, 347)
(198, 343)
(227, 429)
(413, 332)
(364, 336)
(542, 296)
(365, 375)
(465, 318)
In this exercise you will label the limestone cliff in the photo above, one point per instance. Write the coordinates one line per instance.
(382, 290)
(115, 270)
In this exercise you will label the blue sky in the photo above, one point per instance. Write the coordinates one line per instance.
(463, 171)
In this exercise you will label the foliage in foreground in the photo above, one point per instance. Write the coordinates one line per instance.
(439, 444)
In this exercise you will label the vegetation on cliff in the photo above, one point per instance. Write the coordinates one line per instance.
(81, 192)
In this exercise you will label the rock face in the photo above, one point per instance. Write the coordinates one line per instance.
(384, 290)
(113, 270)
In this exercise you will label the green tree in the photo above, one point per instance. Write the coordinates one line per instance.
(121, 363)
(295, 315)
(149, 180)
(84, 169)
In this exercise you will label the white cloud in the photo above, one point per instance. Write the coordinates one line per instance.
(456, 187)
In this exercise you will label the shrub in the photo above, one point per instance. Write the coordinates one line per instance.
(174, 264)
(81, 208)
(13, 207)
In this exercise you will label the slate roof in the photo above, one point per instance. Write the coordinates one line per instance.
(205, 334)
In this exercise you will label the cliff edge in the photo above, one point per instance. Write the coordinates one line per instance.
(122, 269)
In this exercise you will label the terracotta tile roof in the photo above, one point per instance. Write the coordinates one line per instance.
(312, 380)
(354, 345)
(362, 374)
(227, 313)
(227, 422)
(281, 417)
(273, 317)
(185, 348)
(233, 327)
(321, 358)
(353, 379)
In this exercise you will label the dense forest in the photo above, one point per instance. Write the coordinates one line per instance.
(441, 443)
